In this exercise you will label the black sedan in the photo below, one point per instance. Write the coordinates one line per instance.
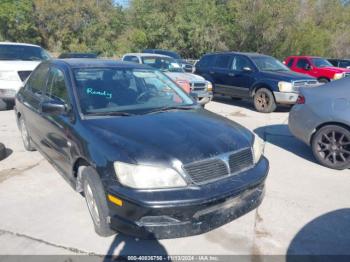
(149, 161)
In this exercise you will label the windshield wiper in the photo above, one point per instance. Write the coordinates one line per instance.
(169, 108)
(111, 113)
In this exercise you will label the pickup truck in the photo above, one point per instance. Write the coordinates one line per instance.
(317, 67)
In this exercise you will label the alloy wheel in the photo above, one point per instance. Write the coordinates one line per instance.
(333, 147)
(91, 203)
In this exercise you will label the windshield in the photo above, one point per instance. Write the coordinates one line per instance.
(133, 91)
(22, 52)
(268, 63)
(165, 64)
(321, 62)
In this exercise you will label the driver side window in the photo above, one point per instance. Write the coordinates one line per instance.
(302, 63)
(56, 86)
(240, 62)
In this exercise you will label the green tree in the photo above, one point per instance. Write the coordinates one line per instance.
(17, 22)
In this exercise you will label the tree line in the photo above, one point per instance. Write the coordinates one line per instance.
(191, 27)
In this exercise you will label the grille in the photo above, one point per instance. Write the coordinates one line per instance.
(305, 83)
(212, 169)
(241, 160)
(198, 86)
(23, 75)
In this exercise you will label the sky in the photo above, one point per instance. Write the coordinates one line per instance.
(123, 3)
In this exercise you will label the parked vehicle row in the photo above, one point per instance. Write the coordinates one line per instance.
(343, 63)
(249, 75)
(191, 83)
(150, 161)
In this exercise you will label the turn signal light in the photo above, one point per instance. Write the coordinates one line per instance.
(115, 200)
(301, 100)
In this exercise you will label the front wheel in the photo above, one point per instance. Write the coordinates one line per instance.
(331, 147)
(323, 80)
(95, 198)
(27, 141)
(264, 101)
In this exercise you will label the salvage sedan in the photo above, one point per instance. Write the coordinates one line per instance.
(321, 119)
(149, 160)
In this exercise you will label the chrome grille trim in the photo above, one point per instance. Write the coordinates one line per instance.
(221, 166)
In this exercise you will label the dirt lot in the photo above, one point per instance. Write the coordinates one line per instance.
(306, 208)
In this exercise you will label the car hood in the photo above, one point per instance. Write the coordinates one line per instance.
(185, 76)
(18, 65)
(286, 76)
(186, 136)
(335, 69)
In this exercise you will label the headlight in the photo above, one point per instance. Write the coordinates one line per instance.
(285, 86)
(9, 76)
(209, 86)
(338, 76)
(258, 148)
(146, 177)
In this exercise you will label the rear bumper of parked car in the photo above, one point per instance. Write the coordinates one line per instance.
(285, 98)
(8, 89)
(173, 213)
(302, 123)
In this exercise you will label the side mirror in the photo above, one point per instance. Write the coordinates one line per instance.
(247, 69)
(53, 108)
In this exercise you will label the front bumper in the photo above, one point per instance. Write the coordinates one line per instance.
(188, 211)
(285, 98)
(205, 98)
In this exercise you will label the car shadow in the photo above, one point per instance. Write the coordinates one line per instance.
(246, 103)
(279, 135)
(322, 238)
(125, 246)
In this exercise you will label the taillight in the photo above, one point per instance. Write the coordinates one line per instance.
(301, 100)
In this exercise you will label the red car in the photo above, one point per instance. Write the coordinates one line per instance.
(317, 67)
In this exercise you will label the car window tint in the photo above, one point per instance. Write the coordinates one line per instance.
(133, 59)
(37, 80)
(240, 62)
(302, 62)
(290, 62)
(206, 61)
(344, 64)
(223, 61)
(56, 86)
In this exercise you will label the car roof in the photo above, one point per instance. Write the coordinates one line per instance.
(146, 54)
(93, 63)
(250, 54)
(14, 43)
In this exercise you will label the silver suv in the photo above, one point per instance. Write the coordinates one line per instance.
(191, 83)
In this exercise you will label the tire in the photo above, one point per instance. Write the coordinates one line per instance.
(96, 201)
(264, 101)
(331, 147)
(2, 151)
(27, 141)
(323, 80)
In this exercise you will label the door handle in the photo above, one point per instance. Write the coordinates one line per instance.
(231, 74)
(211, 72)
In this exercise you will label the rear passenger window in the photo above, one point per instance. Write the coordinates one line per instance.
(133, 59)
(223, 61)
(37, 80)
(302, 62)
(56, 86)
(290, 62)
